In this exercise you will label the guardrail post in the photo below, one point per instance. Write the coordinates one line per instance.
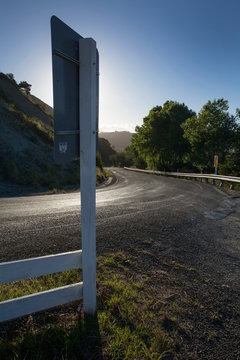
(232, 186)
(222, 183)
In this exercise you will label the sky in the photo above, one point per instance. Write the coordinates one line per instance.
(150, 51)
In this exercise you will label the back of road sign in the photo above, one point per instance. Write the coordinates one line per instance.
(65, 63)
(65, 60)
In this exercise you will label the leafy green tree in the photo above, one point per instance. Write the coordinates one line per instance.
(132, 158)
(159, 141)
(118, 159)
(212, 132)
(24, 85)
(231, 165)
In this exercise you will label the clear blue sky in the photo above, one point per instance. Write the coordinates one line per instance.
(150, 51)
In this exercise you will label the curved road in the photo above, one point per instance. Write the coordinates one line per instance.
(179, 238)
(192, 223)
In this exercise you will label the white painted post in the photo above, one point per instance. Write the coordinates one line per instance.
(87, 118)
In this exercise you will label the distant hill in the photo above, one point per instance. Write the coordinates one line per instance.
(119, 140)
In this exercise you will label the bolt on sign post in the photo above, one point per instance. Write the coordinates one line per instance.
(75, 94)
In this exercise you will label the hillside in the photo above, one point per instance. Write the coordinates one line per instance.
(42, 105)
(26, 144)
(119, 140)
(11, 92)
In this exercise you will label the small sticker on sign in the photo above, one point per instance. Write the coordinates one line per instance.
(63, 147)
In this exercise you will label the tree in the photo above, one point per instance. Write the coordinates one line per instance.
(212, 132)
(11, 78)
(132, 158)
(159, 141)
(106, 151)
(24, 85)
(119, 159)
(231, 165)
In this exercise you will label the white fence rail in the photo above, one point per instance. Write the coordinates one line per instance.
(25, 305)
(222, 178)
(33, 267)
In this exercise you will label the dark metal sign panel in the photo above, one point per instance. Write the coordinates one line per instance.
(65, 55)
(65, 63)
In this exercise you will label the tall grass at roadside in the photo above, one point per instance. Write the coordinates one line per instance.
(44, 131)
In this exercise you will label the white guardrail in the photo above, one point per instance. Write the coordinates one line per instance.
(232, 179)
(33, 267)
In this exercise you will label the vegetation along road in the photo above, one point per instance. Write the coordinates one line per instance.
(179, 238)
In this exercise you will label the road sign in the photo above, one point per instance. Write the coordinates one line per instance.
(215, 161)
(75, 88)
(65, 63)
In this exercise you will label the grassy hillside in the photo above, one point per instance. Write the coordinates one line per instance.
(42, 105)
(26, 145)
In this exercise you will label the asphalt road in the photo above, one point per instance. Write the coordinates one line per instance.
(194, 224)
(181, 240)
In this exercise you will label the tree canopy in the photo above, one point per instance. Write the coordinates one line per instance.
(159, 141)
(11, 78)
(24, 85)
(212, 132)
(173, 137)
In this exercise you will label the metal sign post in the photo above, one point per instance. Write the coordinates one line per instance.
(87, 118)
(75, 90)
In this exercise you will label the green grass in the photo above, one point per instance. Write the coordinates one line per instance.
(43, 131)
(25, 287)
(127, 324)
(107, 172)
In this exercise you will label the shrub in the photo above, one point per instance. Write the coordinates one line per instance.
(99, 162)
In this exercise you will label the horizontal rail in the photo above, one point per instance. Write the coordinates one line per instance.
(232, 179)
(11, 309)
(44, 265)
